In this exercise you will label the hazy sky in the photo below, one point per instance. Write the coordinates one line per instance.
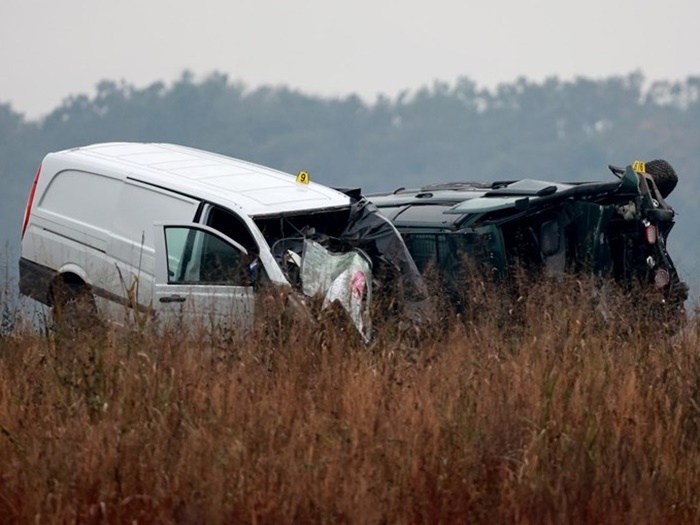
(52, 49)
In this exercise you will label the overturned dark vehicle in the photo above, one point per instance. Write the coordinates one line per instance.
(617, 228)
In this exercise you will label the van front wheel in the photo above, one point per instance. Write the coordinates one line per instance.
(74, 310)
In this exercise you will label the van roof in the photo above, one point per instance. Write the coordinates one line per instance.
(256, 190)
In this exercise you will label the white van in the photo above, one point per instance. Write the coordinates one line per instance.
(167, 229)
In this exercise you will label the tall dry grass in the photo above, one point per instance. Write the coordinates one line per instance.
(533, 409)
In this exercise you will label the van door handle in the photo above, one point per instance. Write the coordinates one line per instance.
(172, 299)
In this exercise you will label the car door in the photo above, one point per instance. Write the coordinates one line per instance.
(201, 278)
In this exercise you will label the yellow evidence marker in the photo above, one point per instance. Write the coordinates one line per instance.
(638, 166)
(303, 177)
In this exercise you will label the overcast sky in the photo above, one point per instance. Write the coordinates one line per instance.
(52, 49)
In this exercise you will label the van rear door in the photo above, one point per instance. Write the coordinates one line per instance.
(201, 277)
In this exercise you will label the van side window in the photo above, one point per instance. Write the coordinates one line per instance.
(197, 257)
(231, 225)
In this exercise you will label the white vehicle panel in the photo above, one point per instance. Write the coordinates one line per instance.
(183, 292)
(223, 180)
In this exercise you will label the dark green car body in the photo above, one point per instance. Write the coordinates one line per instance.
(615, 228)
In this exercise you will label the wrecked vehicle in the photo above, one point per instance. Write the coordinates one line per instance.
(617, 228)
(129, 229)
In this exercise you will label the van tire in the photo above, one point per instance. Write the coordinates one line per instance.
(73, 308)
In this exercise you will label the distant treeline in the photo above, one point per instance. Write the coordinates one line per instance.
(564, 130)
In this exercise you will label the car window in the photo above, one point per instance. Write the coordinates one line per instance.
(233, 227)
(199, 257)
(426, 215)
(446, 250)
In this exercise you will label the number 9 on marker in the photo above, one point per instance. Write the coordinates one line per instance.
(639, 166)
(303, 177)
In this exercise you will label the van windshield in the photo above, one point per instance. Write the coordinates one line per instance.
(284, 232)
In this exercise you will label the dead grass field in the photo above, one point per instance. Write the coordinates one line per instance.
(532, 412)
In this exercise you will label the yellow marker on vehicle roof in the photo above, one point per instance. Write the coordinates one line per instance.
(639, 166)
(303, 177)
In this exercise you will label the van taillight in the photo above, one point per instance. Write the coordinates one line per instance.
(30, 200)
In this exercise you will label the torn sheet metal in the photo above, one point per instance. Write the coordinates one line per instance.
(373, 233)
(345, 278)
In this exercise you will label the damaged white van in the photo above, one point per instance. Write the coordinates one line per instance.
(172, 231)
